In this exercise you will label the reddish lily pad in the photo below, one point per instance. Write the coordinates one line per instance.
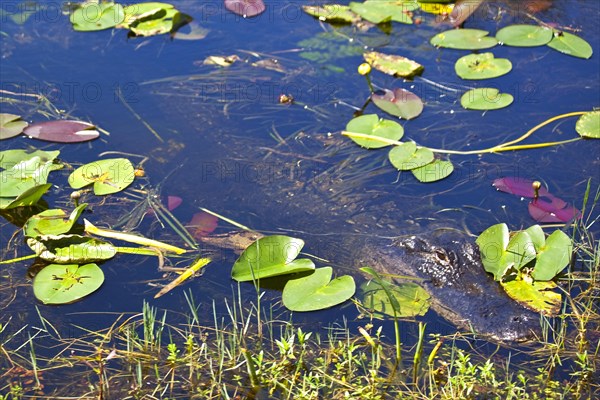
(399, 102)
(245, 8)
(173, 202)
(62, 131)
(544, 211)
(518, 186)
(202, 224)
(543, 208)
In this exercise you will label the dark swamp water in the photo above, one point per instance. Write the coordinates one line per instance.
(218, 124)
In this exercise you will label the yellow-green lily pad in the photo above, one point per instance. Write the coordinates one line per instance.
(482, 66)
(66, 249)
(335, 13)
(28, 198)
(537, 296)
(464, 39)
(553, 256)
(393, 64)
(434, 171)
(524, 35)
(141, 11)
(108, 176)
(66, 283)
(378, 12)
(163, 21)
(270, 256)
(406, 299)
(370, 124)
(408, 156)
(11, 125)
(570, 44)
(500, 252)
(97, 16)
(485, 99)
(52, 222)
(317, 291)
(588, 125)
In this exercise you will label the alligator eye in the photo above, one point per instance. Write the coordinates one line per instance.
(441, 254)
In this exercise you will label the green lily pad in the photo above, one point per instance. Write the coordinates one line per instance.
(270, 256)
(163, 21)
(335, 13)
(11, 125)
(538, 238)
(52, 222)
(24, 175)
(407, 299)
(379, 12)
(553, 256)
(108, 176)
(8, 158)
(62, 284)
(570, 44)
(524, 35)
(399, 102)
(27, 198)
(588, 125)
(434, 171)
(141, 11)
(519, 252)
(499, 252)
(408, 156)
(97, 16)
(537, 296)
(66, 249)
(393, 65)
(317, 291)
(485, 99)
(370, 124)
(464, 39)
(482, 66)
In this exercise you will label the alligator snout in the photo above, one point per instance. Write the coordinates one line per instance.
(507, 322)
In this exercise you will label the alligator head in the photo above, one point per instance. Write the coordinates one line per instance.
(462, 291)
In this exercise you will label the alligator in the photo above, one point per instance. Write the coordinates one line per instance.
(322, 185)
(461, 291)
(452, 273)
(355, 227)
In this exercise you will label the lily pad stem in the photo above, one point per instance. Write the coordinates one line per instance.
(14, 260)
(508, 146)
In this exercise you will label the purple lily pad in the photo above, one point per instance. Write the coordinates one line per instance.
(62, 131)
(518, 186)
(173, 202)
(399, 102)
(543, 211)
(245, 8)
(545, 208)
